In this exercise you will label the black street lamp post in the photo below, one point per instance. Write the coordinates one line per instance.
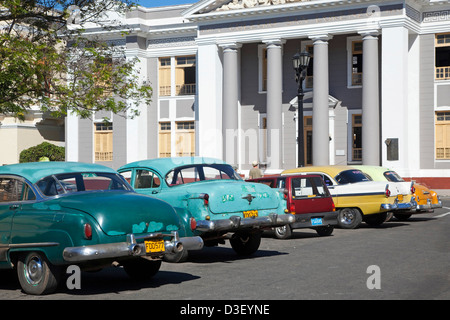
(300, 62)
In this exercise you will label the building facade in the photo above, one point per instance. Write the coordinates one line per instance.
(377, 90)
(36, 127)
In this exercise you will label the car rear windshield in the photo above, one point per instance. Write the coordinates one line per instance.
(303, 187)
(80, 182)
(351, 176)
(393, 176)
(201, 172)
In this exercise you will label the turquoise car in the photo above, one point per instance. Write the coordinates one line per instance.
(57, 214)
(212, 199)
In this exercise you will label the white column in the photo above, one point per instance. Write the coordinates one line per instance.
(412, 144)
(370, 101)
(136, 128)
(274, 102)
(321, 138)
(72, 140)
(394, 98)
(209, 109)
(230, 112)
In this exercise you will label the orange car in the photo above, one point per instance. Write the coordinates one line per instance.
(427, 200)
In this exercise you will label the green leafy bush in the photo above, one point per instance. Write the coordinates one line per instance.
(45, 149)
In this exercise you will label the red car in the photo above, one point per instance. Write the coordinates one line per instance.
(307, 197)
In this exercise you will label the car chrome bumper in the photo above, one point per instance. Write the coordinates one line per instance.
(304, 220)
(429, 206)
(411, 205)
(388, 206)
(131, 247)
(436, 205)
(418, 208)
(235, 222)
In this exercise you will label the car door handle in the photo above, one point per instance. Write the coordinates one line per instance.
(13, 207)
(155, 192)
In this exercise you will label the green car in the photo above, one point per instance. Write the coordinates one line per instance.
(57, 214)
(212, 199)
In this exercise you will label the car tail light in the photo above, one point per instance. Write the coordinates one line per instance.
(193, 224)
(387, 192)
(292, 207)
(333, 206)
(413, 189)
(87, 231)
(285, 194)
(206, 199)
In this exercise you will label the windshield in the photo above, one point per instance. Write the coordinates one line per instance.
(78, 182)
(393, 176)
(201, 172)
(351, 176)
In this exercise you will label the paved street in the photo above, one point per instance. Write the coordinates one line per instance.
(411, 258)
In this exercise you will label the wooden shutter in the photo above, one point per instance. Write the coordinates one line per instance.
(103, 146)
(442, 132)
(165, 140)
(185, 139)
(164, 77)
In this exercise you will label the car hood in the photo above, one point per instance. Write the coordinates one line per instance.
(227, 196)
(120, 213)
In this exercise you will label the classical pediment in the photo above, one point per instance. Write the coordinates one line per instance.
(212, 6)
(244, 4)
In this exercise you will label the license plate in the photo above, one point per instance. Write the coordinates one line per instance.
(152, 246)
(400, 197)
(316, 221)
(250, 213)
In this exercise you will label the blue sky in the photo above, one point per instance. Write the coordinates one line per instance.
(160, 3)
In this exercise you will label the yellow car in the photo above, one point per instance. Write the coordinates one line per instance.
(355, 196)
(426, 200)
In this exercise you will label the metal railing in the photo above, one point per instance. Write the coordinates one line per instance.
(103, 156)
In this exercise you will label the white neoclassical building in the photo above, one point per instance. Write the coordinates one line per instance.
(377, 90)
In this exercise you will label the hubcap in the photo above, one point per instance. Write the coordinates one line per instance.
(347, 216)
(34, 270)
(281, 230)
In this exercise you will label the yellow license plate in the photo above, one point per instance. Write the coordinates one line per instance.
(152, 246)
(250, 213)
(400, 197)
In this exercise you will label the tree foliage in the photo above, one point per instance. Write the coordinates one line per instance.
(49, 61)
(45, 149)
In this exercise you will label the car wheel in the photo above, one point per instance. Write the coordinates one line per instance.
(141, 269)
(325, 231)
(36, 275)
(389, 216)
(349, 218)
(375, 219)
(283, 232)
(176, 257)
(245, 243)
(402, 217)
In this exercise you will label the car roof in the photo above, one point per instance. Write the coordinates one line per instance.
(375, 172)
(164, 165)
(331, 170)
(34, 171)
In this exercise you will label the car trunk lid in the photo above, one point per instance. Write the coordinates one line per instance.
(237, 196)
(120, 213)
